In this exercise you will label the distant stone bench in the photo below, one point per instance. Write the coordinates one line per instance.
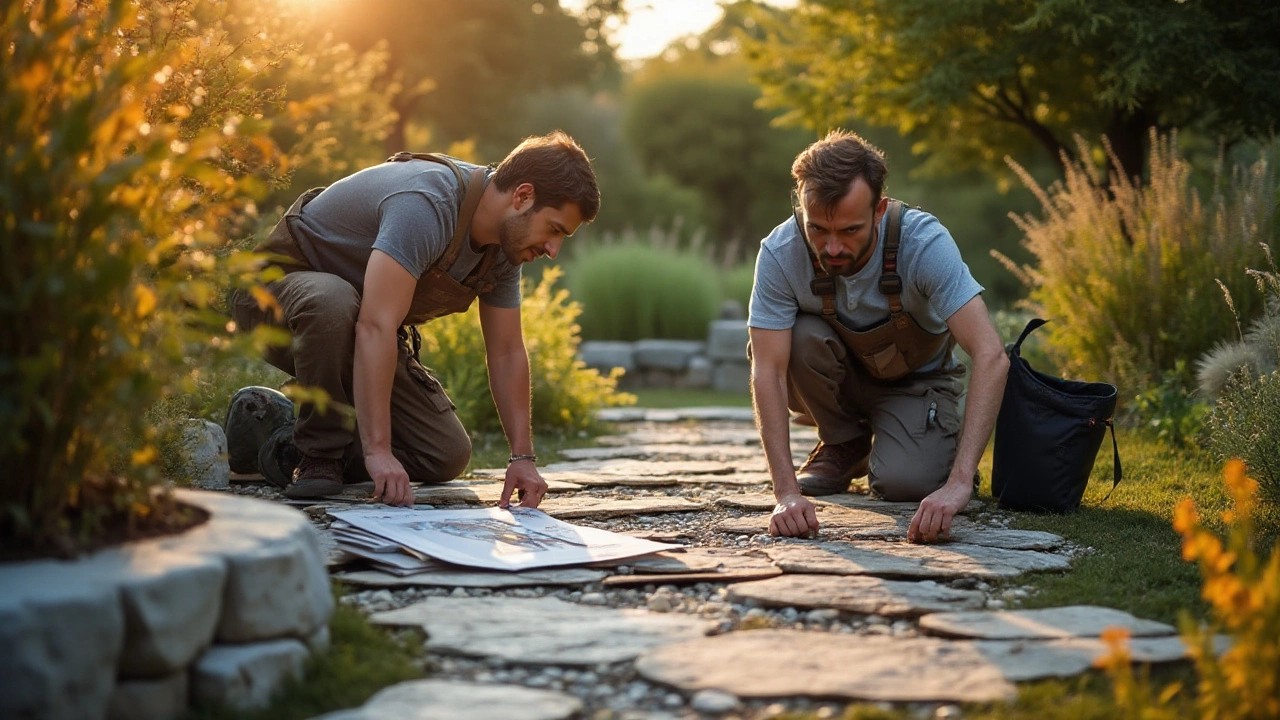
(223, 612)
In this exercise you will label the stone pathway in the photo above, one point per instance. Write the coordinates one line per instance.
(738, 624)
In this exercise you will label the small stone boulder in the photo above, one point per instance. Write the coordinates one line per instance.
(203, 449)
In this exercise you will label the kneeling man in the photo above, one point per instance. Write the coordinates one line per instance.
(857, 305)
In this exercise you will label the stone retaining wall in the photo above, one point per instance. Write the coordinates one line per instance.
(223, 612)
(719, 363)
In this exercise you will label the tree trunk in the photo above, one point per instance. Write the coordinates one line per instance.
(1128, 135)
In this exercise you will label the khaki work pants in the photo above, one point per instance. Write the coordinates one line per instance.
(320, 311)
(915, 421)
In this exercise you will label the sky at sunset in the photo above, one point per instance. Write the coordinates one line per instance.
(655, 23)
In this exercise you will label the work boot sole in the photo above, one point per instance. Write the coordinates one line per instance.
(814, 485)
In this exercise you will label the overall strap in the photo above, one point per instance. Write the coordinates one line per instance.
(890, 280)
(822, 285)
(472, 190)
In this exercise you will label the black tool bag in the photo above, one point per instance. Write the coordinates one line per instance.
(1047, 436)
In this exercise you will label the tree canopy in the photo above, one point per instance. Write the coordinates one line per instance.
(958, 76)
(464, 69)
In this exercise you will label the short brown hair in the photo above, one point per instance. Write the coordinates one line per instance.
(829, 166)
(558, 169)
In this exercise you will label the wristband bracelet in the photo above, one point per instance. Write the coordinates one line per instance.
(515, 458)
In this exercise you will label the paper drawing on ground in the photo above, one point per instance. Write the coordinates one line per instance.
(515, 539)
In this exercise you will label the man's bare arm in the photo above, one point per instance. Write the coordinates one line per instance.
(971, 326)
(508, 363)
(388, 291)
(770, 354)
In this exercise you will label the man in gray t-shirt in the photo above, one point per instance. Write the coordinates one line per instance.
(377, 253)
(855, 334)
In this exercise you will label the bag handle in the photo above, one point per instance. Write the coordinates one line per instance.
(1031, 327)
(1117, 470)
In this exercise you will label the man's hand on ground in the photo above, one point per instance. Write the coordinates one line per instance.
(932, 520)
(793, 516)
(390, 481)
(522, 476)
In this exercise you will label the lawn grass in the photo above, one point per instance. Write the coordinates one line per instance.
(663, 398)
(361, 660)
(1134, 562)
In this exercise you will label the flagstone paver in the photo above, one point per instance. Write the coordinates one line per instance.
(567, 508)
(452, 699)
(788, 663)
(785, 663)
(700, 560)
(474, 578)
(867, 615)
(542, 631)
(1059, 622)
(858, 593)
(890, 559)
(624, 466)
(663, 451)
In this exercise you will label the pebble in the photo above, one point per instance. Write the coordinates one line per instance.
(593, 598)
(660, 603)
(948, 712)
(713, 701)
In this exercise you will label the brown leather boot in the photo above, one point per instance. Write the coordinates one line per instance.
(830, 467)
(316, 477)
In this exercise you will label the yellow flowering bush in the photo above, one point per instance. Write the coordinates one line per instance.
(1243, 590)
(566, 393)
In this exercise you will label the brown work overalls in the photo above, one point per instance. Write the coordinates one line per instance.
(855, 382)
(320, 310)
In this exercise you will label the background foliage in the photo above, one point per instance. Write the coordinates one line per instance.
(1131, 274)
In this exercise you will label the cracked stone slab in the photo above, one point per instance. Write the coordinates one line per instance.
(1021, 660)
(742, 479)
(473, 578)
(485, 477)
(788, 663)
(699, 560)
(542, 631)
(890, 559)
(718, 576)
(567, 508)
(625, 466)
(451, 699)
(1045, 623)
(669, 451)
(857, 593)
(872, 524)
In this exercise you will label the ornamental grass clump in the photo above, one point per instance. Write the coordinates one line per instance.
(107, 253)
(1242, 587)
(1129, 272)
(633, 290)
(566, 393)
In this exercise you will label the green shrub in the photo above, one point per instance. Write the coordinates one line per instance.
(566, 394)
(1129, 272)
(1245, 423)
(736, 284)
(1169, 408)
(108, 241)
(632, 290)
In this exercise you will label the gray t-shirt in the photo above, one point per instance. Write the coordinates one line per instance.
(936, 282)
(407, 210)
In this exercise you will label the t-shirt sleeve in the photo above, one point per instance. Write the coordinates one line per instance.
(773, 303)
(506, 294)
(407, 223)
(943, 277)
